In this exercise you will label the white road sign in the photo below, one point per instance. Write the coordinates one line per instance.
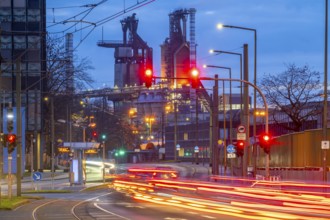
(231, 155)
(325, 145)
(241, 136)
(241, 129)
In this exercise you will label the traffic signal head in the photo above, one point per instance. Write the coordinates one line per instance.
(104, 136)
(194, 78)
(148, 75)
(11, 139)
(240, 144)
(94, 134)
(265, 141)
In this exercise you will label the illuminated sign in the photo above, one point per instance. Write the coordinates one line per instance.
(63, 149)
(91, 151)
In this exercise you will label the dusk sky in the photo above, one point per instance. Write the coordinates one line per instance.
(288, 31)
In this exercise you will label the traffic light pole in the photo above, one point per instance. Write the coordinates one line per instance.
(215, 127)
(19, 128)
(214, 115)
(103, 158)
(52, 139)
(265, 103)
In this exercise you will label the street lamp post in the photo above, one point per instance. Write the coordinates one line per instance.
(224, 114)
(325, 105)
(265, 103)
(241, 73)
(220, 26)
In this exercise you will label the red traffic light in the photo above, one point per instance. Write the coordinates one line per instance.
(265, 137)
(94, 134)
(148, 75)
(265, 141)
(194, 78)
(11, 138)
(240, 144)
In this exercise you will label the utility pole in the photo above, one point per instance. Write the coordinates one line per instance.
(103, 158)
(325, 104)
(175, 130)
(215, 126)
(31, 154)
(196, 133)
(52, 138)
(9, 157)
(246, 110)
(19, 127)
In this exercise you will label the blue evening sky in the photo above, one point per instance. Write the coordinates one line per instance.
(288, 31)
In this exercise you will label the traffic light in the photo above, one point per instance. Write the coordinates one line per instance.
(94, 134)
(104, 137)
(148, 75)
(11, 139)
(240, 144)
(265, 142)
(120, 152)
(194, 78)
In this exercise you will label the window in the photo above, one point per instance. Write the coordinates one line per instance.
(5, 3)
(34, 42)
(5, 42)
(22, 67)
(33, 3)
(19, 15)
(5, 69)
(34, 69)
(33, 15)
(19, 42)
(19, 3)
(5, 15)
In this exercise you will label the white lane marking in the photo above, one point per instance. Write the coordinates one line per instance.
(36, 208)
(72, 209)
(104, 210)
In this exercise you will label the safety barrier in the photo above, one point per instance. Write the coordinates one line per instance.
(293, 173)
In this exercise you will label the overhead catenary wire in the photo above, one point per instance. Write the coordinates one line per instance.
(93, 25)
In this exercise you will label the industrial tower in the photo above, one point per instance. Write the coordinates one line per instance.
(132, 54)
(178, 55)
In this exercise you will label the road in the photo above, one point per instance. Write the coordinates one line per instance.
(186, 197)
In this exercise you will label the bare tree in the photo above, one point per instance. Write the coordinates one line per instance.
(62, 84)
(296, 93)
(57, 64)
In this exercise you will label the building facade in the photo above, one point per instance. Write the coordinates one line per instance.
(23, 51)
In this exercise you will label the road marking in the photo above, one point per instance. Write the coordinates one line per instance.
(104, 210)
(36, 208)
(79, 203)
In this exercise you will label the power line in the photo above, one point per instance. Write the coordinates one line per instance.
(93, 25)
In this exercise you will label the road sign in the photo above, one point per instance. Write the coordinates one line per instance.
(241, 136)
(231, 155)
(325, 145)
(37, 176)
(231, 148)
(241, 129)
(196, 149)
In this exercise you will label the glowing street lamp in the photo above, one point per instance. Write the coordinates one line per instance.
(150, 120)
(220, 26)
